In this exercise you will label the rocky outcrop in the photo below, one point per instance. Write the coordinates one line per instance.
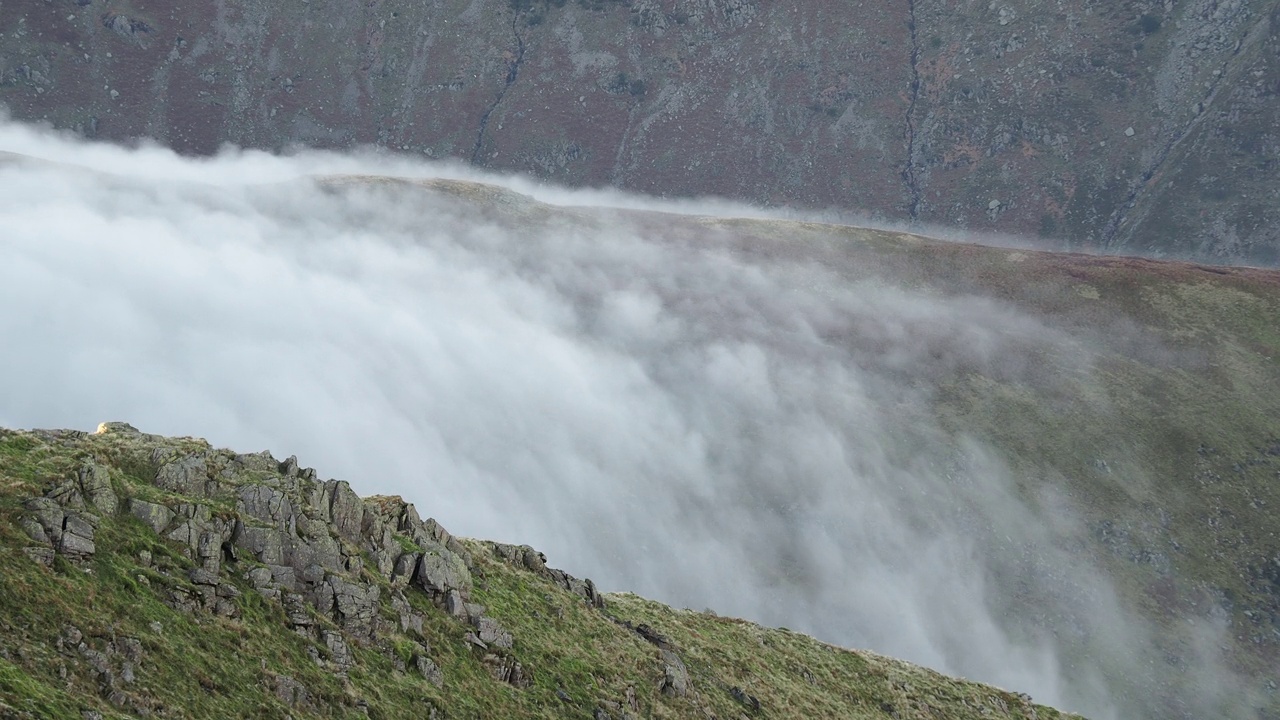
(330, 558)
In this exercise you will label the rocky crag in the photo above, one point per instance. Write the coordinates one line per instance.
(1121, 126)
(160, 577)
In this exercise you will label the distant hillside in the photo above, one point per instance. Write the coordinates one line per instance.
(1131, 126)
(159, 577)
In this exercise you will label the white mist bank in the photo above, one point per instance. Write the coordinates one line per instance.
(663, 416)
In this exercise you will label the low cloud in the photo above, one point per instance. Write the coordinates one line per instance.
(647, 404)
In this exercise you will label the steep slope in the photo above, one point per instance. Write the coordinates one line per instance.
(159, 577)
(1117, 126)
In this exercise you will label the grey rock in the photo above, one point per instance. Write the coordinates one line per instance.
(290, 691)
(157, 517)
(39, 555)
(675, 676)
(34, 530)
(339, 652)
(95, 483)
(49, 514)
(79, 524)
(429, 670)
(200, 576)
(354, 605)
(405, 566)
(441, 571)
(187, 475)
(491, 632)
(289, 468)
(76, 546)
(259, 577)
(266, 504)
(266, 544)
(346, 511)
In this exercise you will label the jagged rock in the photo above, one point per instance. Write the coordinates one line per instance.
(289, 468)
(410, 620)
(405, 566)
(491, 632)
(440, 571)
(675, 676)
(352, 605)
(187, 475)
(200, 576)
(295, 608)
(155, 516)
(266, 544)
(49, 515)
(34, 530)
(77, 536)
(95, 484)
(508, 670)
(289, 691)
(429, 670)
(266, 504)
(346, 511)
(339, 652)
(259, 577)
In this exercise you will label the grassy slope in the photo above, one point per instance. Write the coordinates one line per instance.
(581, 658)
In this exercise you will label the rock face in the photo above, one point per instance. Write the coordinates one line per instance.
(326, 555)
(1122, 125)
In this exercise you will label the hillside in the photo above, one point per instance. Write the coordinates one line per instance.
(160, 577)
(1051, 472)
(1133, 126)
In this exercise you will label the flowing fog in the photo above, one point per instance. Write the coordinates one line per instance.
(652, 409)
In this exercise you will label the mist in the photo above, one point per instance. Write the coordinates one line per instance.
(640, 400)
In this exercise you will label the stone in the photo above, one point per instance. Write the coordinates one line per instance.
(157, 517)
(339, 652)
(95, 484)
(491, 632)
(266, 504)
(346, 511)
(1128, 132)
(34, 530)
(675, 676)
(200, 576)
(354, 605)
(429, 670)
(442, 571)
(289, 468)
(290, 691)
(39, 555)
(49, 514)
(259, 577)
(76, 546)
(187, 475)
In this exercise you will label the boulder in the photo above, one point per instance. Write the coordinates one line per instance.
(491, 632)
(157, 517)
(440, 571)
(95, 484)
(675, 676)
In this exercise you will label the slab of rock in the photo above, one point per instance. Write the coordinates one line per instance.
(491, 632)
(155, 516)
(95, 484)
(675, 676)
